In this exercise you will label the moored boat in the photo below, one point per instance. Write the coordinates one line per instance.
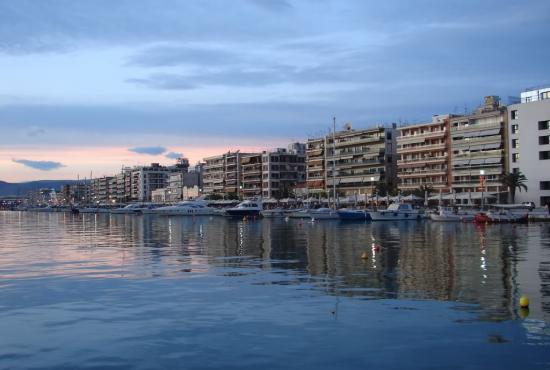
(248, 208)
(396, 212)
(186, 208)
(323, 214)
(447, 214)
(347, 214)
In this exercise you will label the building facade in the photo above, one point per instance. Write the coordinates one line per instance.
(282, 170)
(478, 148)
(529, 145)
(251, 181)
(423, 155)
(354, 161)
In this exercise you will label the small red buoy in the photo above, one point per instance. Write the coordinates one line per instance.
(376, 248)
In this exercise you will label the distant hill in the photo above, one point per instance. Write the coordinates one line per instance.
(22, 188)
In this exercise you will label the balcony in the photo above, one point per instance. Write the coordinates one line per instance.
(357, 141)
(475, 127)
(422, 148)
(425, 173)
(419, 161)
(420, 137)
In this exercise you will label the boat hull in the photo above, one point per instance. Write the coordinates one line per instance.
(394, 216)
(243, 212)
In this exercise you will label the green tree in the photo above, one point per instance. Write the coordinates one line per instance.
(421, 191)
(514, 180)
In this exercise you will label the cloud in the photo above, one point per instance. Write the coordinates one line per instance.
(273, 5)
(34, 131)
(39, 165)
(174, 155)
(150, 150)
(167, 56)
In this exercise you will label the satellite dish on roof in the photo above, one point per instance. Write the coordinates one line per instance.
(347, 127)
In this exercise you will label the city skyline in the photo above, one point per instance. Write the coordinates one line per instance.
(84, 83)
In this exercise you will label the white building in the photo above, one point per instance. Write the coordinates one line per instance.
(529, 145)
(535, 94)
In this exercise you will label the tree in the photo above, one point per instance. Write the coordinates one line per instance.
(421, 191)
(514, 180)
(383, 189)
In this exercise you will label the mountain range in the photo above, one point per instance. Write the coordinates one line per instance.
(22, 188)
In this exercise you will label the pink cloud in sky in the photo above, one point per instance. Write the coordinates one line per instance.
(98, 161)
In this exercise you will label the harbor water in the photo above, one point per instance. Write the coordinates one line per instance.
(146, 292)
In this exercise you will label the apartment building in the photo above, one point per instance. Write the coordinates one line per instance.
(213, 174)
(529, 144)
(101, 189)
(423, 155)
(145, 179)
(251, 181)
(232, 173)
(355, 161)
(478, 146)
(281, 170)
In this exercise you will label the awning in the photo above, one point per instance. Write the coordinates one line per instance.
(461, 162)
(492, 146)
(477, 161)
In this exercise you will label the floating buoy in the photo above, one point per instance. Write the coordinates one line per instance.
(376, 248)
(524, 302)
(365, 256)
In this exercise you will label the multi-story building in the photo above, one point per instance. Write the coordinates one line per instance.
(282, 170)
(529, 144)
(315, 165)
(145, 179)
(251, 177)
(232, 173)
(423, 152)
(213, 174)
(535, 94)
(352, 160)
(478, 146)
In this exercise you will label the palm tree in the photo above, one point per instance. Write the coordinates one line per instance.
(514, 180)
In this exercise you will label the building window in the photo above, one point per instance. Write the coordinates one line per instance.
(545, 185)
(515, 157)
(545, 95)
(544, 200)
(544, 155)
(515, 128)
(515, 114)
(515, 143)
(543, 140)
(543, 125)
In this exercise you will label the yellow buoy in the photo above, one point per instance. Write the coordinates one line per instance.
(365, 256)
(524, 302)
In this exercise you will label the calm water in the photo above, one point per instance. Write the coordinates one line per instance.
(144, 292)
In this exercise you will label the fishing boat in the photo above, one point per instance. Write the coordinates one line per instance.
(248, 208)
(396, 212)
(448, 214)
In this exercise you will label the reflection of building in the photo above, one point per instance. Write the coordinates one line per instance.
(423, 155)
(361, 159)
(478, 147)
(529, 143)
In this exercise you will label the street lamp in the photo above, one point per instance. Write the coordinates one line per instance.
(482, 184)
(372, 187)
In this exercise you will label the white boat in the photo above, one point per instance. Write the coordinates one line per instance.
(539, 214)
(448, 214)
(248, 208)
(396, 212)
(324, 214)
(98, 209)
(186, 208)
(130, 208)
(274, 213)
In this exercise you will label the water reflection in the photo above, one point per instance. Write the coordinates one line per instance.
(490, 266)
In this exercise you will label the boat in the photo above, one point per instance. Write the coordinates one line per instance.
(449, 214)
(539, 214)
(96, 209)
(248, 208)
(300, 213)
(185, 208)
(500, 216)
(396, 212)
(274, 213)
(130, 208)
(323, 214)
(349, 214)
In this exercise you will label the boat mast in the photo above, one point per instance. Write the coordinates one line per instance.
(334, 162)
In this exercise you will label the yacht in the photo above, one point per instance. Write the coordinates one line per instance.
(396, 212)
(448, 214)
(349, 214)
(300, 213)
(185, 208)
(274, 213)
(94, 209)
(323, 214)
(130, 208)
(248, 208)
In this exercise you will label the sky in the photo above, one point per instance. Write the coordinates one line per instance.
(87, 87)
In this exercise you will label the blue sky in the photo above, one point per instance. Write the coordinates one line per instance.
(83, 82)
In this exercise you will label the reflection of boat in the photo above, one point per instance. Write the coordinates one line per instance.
(347, 214)
(324, 214)
(447, 214)
(396, 212)
(539, 214)
(185, 208)
(250, 208)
